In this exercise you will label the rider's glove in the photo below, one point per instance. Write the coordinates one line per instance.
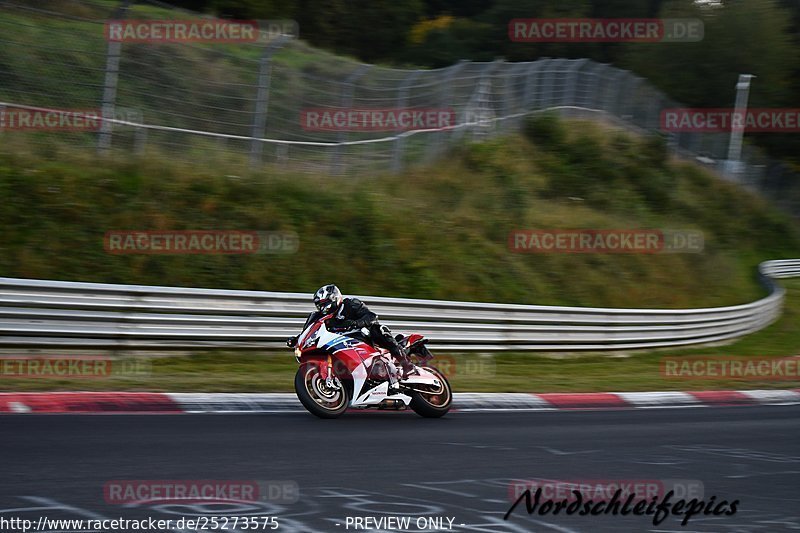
(291, 342)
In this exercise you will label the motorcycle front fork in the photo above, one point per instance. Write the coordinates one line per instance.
(331, 381)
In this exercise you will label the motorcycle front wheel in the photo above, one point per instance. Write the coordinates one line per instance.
(319, 399)
(436, 402)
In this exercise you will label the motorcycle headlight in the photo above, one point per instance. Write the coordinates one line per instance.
(297, 352)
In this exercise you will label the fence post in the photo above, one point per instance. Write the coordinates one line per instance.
(538, 83)
(446, 100)
(533, 68)
(614, 90)
(568, 99)
(483, 106)
(547, 90)
(508, 107)
(348, 87)
(625, 96)
(631, 100)
(654, 111)
(619, 100)
(110, 84)
(402, 101)
(478, 100)
(262, 99)
(594, 95)
(733, 164)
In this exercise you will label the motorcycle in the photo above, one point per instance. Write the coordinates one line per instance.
(343, 369)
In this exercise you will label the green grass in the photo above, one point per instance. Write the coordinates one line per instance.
(435, 232)
(57, 58)
(217, 371)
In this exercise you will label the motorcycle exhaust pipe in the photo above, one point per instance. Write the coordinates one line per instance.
(391, 404)
(425, 388)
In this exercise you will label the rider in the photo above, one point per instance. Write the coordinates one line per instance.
(352, 314)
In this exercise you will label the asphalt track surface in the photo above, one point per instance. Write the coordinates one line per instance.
(379, 464)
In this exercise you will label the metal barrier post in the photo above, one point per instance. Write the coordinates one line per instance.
(262, 99)
(110, 84)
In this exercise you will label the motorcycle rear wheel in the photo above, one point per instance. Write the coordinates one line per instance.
(436, 403)
(319, 399)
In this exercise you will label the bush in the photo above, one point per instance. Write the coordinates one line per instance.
(545, 129)
(654, 151)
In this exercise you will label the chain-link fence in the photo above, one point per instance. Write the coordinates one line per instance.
(269, 100)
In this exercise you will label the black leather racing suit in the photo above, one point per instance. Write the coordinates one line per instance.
(353, 315)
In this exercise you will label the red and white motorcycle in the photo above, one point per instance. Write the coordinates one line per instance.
(341, 370)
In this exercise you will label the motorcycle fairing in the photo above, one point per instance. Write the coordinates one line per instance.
(358, 359)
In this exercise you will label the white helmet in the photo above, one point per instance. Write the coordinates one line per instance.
(328, 298)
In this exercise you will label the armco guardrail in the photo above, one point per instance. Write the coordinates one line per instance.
(40, 313)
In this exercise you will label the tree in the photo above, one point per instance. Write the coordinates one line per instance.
(740, 37)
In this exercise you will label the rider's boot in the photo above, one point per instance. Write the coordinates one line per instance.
(408, 368)
(395, 375)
